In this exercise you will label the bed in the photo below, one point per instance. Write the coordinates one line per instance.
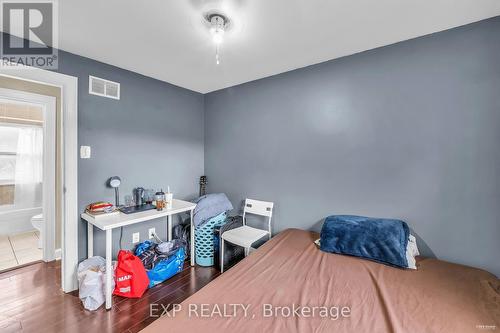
(290, 270)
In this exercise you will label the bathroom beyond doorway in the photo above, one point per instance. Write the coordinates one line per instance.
(27, 177)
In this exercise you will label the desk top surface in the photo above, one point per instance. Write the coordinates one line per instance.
(119, 220)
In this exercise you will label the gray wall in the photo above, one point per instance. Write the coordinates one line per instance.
(407, 131)
(151, 137)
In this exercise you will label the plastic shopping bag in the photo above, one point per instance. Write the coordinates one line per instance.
(92, 282)
(141, 247)
(131, 278)
(162, 261)
(167, 268)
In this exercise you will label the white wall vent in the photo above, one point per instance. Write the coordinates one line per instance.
(104, 88)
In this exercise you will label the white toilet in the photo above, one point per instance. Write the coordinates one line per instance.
(37, 222)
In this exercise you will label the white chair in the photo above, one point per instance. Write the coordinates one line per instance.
(245, 236)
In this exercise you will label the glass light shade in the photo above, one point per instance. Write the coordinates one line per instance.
(218, 36)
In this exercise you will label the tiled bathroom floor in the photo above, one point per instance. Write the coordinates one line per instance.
(19, 249)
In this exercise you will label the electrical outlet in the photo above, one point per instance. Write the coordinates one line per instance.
(151, 233)
(136, 237)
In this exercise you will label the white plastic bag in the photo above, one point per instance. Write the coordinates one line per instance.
(92, 282)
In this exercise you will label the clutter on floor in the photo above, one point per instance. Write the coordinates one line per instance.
(110, 223)
(91, 281)
(163, 260)
(130, 275)
(183, 231)
(155, 261)
(150, 264)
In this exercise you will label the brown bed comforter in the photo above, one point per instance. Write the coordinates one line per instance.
(290, 270)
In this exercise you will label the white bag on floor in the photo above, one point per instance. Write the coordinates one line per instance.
(92, 282)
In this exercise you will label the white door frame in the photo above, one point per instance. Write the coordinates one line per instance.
(69, 107)
(48, 104)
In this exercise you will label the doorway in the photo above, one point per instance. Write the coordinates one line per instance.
(68, 184)
(27, 177)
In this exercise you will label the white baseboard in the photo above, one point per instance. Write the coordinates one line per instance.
(58, 254)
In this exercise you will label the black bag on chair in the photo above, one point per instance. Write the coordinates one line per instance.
(232, 253)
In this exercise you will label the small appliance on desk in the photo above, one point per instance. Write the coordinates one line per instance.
(160, 200)
(140, 205)
(164, 200)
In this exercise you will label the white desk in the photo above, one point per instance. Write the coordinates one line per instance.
(108, 223)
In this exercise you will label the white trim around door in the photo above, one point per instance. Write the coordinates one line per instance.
(69, 107)
(48, 105)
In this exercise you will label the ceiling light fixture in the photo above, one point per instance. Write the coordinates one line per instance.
(218, 24)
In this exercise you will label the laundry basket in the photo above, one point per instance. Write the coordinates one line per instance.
(204, 240)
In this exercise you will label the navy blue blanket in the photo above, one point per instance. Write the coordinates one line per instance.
(382, 240)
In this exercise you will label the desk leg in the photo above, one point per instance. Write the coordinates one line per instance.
(192, 238)
(109, 268)
(169, 227)
(90, 240)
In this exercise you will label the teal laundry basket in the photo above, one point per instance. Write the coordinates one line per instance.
(204, 240)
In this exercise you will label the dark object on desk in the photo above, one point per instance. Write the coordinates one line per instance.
(115, 182)
(136, 209)
(139, 196)
(160, 200)
(232, 253)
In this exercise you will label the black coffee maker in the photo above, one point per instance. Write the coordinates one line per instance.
(140, 203)
(139, 196)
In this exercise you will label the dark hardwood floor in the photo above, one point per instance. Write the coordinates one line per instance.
(31, 300)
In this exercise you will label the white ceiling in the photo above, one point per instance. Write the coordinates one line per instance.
(168, 40)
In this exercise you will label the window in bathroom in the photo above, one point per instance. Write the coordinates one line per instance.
(21, 155)
(8, 145)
